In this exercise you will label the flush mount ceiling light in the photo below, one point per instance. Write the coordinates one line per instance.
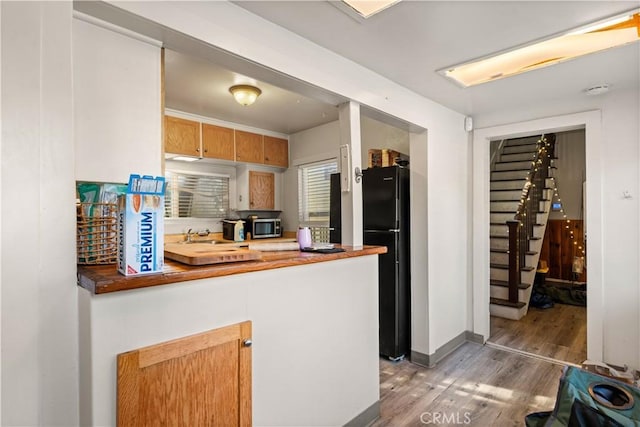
(245, 94)
(595, 37)
(368, 8)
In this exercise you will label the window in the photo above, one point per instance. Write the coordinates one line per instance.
(195, 195)
(314, 187)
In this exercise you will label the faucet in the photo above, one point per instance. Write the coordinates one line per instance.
(191, 232)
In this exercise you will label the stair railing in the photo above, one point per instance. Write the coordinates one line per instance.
(495, 157)
(521, 228)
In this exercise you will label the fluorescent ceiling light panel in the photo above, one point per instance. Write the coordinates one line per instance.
(592, 38)
(367, 8)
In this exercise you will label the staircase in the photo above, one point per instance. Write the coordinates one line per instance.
(520, 168)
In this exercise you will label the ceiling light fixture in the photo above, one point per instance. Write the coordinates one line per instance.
(594, 37)
(368, 8)
(245, 94)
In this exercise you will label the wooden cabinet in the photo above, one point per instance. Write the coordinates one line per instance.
(199, 380)
(261, 190)
(192, 138)
(217, 142)
(249, 147)
(276, 151)
(181, 136)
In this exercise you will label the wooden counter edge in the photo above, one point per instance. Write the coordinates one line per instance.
(101, 279)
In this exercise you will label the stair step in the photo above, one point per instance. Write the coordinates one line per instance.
(513, 165)
(514, 169)
(509, 175)
(506, 251)
(506, 303)
(507, 184)
(506, 284)
(504, 223)
(524, 140)
(506, 267)
(517, 157)
(502, 229)
(523, 148)
(499, 254)
(504, 206)
(510, 199)
(502, 216)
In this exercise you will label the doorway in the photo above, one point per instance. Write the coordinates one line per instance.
(554, 321)
(590, 122)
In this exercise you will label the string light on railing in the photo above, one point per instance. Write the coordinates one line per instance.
(556, 196)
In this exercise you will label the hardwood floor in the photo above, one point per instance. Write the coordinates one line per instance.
(559, 332)
(475, 385)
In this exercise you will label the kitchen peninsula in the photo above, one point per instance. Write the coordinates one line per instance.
(315, 329)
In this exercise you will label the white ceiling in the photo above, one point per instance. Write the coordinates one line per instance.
(411, 40)
(406, 43)
(199, 86)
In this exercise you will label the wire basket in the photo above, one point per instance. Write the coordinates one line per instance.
(97, 233)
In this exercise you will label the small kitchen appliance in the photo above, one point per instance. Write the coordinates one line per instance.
(233, 230)
(263, 228)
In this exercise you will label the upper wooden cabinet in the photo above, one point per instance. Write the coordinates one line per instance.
(181, 136)
(249, 147)
(261, 190)
(217, 142)
(200, 380)
(276, 151)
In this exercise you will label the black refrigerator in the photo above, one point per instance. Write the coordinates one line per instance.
(385, 205)
(335, 210)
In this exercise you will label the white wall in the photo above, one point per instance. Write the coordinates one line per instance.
(39, 313)
(570, 175)
(621, 237)
(379, 135)
(235, 30)
(308, 146)
(418, 184)
(614, 243)
(117, 111)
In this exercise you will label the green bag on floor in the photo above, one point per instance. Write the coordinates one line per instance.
(590, 400)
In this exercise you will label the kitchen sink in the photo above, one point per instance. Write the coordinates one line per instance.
(209, 241)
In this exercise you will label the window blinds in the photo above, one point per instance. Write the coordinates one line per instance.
(314, 191)
(196, 195)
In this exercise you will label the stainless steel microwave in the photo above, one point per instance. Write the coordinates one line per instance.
(262, 228)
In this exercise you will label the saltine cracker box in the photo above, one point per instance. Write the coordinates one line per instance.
(141, 226)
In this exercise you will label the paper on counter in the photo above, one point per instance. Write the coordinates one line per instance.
(282, 246)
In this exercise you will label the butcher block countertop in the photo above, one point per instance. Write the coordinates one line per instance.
(101, 279)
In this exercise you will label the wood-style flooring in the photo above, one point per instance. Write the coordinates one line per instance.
(559, 332)
(475, 385)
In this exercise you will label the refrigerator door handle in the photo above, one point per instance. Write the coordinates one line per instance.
(392, 230)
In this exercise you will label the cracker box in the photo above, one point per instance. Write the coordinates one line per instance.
(141, 226)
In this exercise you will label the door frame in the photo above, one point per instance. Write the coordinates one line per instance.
(591, 122)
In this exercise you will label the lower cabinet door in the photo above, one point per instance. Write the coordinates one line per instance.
(199, 380)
